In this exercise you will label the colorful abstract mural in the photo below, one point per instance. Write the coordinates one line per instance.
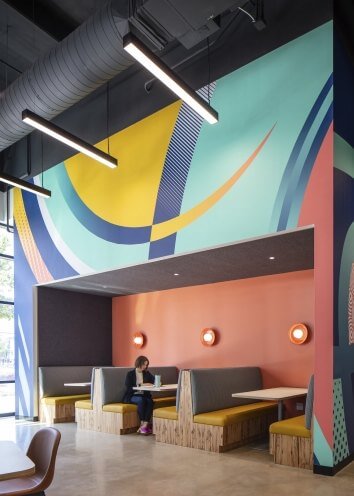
(184, 185)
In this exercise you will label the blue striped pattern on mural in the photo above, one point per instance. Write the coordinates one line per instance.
(175, 172)
(300, 159)
(305, 173)
(53, 259)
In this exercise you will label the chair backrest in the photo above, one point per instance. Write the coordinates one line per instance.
(43, 451)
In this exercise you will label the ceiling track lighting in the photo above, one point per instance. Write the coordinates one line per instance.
(162, 72)
(69, 139)
(19, 183)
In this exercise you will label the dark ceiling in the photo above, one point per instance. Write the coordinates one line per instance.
(29, 29)
(292, 251)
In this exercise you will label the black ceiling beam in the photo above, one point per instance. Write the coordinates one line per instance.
(46, 17)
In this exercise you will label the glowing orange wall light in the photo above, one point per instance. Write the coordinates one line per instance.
(298, 333)
(207, 336)
(138, 339)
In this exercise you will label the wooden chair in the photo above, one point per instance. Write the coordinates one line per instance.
(42, 451)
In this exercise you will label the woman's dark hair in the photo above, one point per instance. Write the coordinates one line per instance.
(140, 361)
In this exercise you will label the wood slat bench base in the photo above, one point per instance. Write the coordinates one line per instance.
(108, 422)
(85, 418)
(53, 412)
(182, 431)
(210, 437)
(111, 418)
(294, 451)
(290, 443)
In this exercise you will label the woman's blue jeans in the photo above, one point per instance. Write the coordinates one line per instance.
(145, 406)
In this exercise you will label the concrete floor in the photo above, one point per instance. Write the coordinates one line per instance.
(104, 464)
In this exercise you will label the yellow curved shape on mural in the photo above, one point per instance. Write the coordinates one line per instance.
(131, 189)
(171, 226)
(34, 258)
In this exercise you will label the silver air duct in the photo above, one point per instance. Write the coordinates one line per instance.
(89, 57)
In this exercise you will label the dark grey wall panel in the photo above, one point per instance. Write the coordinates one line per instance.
(73, 328)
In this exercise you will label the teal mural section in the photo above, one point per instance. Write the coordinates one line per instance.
(341, 449)
(269, 91)
(322, 451)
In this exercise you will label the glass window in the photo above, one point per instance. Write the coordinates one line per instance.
(7, 399)
(7, 352)
(6, 279)
(6, 242)
(7, 363)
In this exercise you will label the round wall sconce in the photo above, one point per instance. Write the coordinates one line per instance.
(298, 333)
(138, 340)
(207, 336)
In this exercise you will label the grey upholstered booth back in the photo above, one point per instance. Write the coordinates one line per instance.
(52, 379)
(309, 403)
(113, 382)
(169, 375)
(212, 388)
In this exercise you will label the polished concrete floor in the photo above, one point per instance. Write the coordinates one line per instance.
(132, 465)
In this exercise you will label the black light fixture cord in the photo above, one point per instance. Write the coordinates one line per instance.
(208, 45)
(42, 150)
(9, 227)
(107, 116)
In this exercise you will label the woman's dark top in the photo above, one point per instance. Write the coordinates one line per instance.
(130, 382)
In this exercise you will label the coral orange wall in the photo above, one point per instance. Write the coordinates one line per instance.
(252, 317)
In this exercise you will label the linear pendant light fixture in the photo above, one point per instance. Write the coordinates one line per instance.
(19, 183)
(162, 72)
(69, 139)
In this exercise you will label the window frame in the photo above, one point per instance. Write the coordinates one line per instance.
(5, 256)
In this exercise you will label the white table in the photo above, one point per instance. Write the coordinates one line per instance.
(165, 387)
(13, 461)
(278, 394)
(77, 384)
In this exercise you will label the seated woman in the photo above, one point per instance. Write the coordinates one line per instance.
(138, 377)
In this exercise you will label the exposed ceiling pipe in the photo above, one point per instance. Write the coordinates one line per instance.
(89, 57)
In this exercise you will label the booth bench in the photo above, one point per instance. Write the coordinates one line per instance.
(290, 440)
(106, 412)
(206, 415)
(56, 401)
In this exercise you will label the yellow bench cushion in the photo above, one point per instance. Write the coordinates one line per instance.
(86, 404)
(120, 408)
(164, 401)
(64, 400)
(294, 426)
(169, 412)
(235, 414)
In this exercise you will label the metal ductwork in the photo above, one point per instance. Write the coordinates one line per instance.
(93, 54)
(89, 57)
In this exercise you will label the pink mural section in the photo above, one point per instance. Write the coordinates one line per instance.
(317, 209)
(251, 317)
